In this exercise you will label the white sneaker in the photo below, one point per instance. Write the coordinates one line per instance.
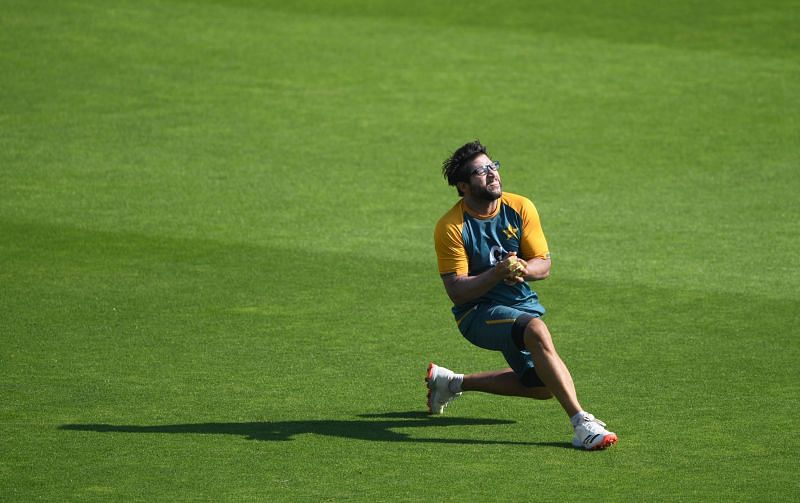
(439, 394)
(591, 434)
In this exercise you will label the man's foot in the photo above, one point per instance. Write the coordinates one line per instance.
(590, 434)
(439, 394)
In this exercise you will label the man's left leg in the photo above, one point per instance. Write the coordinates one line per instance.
(550, 367)
(590, 433)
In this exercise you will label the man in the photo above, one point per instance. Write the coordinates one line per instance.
(489, 245)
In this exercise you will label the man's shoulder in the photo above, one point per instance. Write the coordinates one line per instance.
(453, 217)
(520, 204)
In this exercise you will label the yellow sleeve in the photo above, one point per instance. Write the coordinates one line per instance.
(533, 244)
(449, 242)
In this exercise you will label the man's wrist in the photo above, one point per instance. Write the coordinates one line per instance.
(497, 274)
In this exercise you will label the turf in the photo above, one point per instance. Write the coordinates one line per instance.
(218, 280)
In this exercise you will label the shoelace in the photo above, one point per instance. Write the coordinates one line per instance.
(601, 423)
(591, 419)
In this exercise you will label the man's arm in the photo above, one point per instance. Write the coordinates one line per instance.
(535, 269)
(462, 288)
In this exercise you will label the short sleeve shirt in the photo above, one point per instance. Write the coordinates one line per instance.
(469, 244)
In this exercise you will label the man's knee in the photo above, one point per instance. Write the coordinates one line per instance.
(536, 387)
(537, 336)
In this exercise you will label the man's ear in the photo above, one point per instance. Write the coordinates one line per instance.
(462, 186)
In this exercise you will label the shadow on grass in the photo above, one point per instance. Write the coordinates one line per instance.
(376, 427)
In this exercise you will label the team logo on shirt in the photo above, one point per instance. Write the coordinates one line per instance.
(496, 254)
(510, 232)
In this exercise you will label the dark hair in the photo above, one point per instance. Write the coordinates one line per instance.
(456, 167)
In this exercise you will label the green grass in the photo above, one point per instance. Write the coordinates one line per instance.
(217, 278)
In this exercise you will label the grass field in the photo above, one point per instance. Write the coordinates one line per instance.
(217, 277)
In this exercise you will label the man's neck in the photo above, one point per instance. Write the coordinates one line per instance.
(481, 206)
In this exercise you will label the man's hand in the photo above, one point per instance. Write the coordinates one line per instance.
(512, 269)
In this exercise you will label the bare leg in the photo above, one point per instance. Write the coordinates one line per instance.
(502, 382)
(550, 367)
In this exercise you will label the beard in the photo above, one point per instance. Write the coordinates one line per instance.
(487, 193)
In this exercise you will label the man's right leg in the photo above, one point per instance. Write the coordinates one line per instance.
(503, 382)
(444, 386)
(495, 327)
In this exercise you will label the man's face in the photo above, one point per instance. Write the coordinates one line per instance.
(485, 186)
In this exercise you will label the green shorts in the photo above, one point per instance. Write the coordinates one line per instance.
(499, 328)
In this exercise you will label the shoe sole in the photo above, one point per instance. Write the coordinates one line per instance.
(607, 442)
(428, 378)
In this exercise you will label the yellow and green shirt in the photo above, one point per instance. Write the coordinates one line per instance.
(469, 244)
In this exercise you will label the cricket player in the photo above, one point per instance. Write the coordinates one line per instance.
(489, 246)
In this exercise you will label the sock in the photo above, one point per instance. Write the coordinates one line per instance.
(455, 383)
(578, 418)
